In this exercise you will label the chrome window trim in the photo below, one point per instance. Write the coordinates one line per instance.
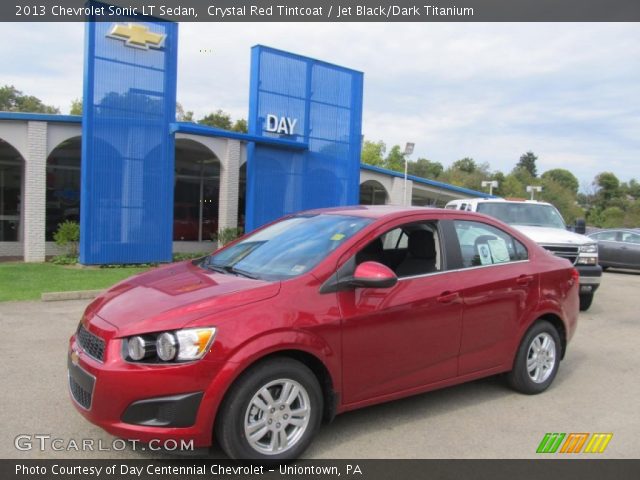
(400, 279)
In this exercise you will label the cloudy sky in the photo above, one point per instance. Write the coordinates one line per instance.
(568, 92)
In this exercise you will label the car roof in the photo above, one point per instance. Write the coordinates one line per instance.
(372, 211)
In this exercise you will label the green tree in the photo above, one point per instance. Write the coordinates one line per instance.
(425, 168)
(218, 119)
(13, 100)
(240, 125)
(611, 217)
(562, 198)
(465, 164)
(528, 162)
(512, 187)
(395, 159)
(182, 115)
(76, 107)
(608, 187)
(373, 153)
(564, 178)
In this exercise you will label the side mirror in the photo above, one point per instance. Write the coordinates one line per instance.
(580, 226)
(373, 275)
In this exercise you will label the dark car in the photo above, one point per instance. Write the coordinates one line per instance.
(317, 314)
(618, 248)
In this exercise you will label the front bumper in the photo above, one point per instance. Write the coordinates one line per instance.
(590, 276)
(145, 402)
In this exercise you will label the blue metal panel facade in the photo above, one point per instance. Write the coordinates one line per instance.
(127, 147)
(326, 103)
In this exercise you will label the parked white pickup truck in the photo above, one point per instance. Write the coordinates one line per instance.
(543, 223)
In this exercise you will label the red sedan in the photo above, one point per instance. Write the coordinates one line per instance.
(314, 315)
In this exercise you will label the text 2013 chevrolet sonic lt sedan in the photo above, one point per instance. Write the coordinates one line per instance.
(317, 314)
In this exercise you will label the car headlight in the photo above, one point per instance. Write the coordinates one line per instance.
(139, 348)
(167, 346)
(589, 248)
(180, 345)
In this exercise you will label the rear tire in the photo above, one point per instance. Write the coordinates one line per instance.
(537, 360)
(271, 413)
(586, 301)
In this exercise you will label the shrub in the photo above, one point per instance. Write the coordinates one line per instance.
(68, 235)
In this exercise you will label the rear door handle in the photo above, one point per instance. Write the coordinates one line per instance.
(524, 279)
(448, 297)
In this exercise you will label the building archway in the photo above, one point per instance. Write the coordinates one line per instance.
(11, 193)
(373, 192)
(63, 185)
(196, 192)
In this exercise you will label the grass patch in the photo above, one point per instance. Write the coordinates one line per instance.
(26, 281)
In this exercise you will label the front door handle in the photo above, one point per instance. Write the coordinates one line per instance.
(448, 297)
(524, 280)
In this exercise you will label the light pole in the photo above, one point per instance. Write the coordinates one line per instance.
(533, 189)
(491, 184)
(408, 150)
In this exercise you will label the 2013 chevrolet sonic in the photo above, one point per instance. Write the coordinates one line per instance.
(314, 315)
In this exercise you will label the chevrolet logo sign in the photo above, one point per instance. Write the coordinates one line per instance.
(137, 36)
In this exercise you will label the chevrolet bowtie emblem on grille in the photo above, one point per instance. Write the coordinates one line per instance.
(137, 36)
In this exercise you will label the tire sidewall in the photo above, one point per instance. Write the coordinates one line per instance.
(235, 407)
(524, 382)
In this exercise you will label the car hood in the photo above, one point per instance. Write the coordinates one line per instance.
(552, 236)
(171, 297)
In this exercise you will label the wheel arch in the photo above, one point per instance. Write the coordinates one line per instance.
(559, 325)
(310, 359)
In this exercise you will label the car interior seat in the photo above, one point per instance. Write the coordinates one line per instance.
(421, 254)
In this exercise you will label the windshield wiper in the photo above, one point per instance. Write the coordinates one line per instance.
(230, 269)
(242, 273)
(215, 268)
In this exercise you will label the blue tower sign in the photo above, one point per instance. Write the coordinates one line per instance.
(316, 104)
(127, 148)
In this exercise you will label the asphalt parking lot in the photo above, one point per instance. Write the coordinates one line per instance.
(596, 390)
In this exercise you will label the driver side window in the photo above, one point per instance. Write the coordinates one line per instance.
(409, 250)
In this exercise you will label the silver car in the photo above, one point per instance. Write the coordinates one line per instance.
(618, 248)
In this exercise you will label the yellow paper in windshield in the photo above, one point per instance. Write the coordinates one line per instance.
(337, 237)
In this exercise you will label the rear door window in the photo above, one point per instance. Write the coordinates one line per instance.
(482, 244)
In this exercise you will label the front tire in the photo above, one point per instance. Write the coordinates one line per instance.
(271, 413)
(586, 301)
(537, 360)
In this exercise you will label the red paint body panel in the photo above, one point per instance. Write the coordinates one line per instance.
(377, 344)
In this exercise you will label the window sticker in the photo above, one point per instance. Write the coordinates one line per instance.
(485, 254)
(499, 250)
(337, 237)
(298, 268)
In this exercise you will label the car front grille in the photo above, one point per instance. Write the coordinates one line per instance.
(570, 253)
(80, 395)
(90, 343)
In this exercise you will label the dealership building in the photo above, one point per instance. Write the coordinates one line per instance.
(143, 186)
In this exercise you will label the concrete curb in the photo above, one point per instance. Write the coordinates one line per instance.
(73, 295)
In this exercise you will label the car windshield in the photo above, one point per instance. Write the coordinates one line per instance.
(522, 213)
(286, 249)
